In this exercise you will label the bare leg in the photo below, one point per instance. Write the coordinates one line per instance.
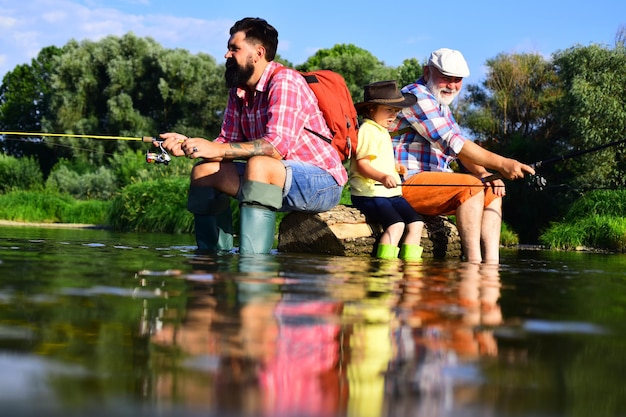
(414, 233)
(220, 175)
(490, 232)
(392, 234)
(469, 219)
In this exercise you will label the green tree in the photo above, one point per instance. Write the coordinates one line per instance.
(25, 96)
(131, 86)
(410, 71)
(515, 100)
(592, 112)
(357, 66)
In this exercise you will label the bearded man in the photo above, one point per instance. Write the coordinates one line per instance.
(265, 155)
(427, 139)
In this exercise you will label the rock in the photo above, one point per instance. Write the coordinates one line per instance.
(343, 231)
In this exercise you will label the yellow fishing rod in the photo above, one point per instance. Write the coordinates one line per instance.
(151, 157)
(73, 135)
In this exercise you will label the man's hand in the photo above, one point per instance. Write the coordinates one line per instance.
(181, 145)
(514, 170)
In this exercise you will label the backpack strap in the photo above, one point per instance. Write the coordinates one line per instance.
(311, 78)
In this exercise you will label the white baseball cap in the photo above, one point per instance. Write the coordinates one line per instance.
(449, 62)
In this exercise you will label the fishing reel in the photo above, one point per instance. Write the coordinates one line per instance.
(537, 182)
(156, 158)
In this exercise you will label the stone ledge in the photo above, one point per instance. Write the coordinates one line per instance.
(343, 231)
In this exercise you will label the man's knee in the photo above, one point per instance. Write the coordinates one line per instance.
(202, 170)
(265, 169)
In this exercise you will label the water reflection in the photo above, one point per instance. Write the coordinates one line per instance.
(297, 343)
(105, 324)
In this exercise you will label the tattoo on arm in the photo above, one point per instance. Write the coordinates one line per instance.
(249, 149)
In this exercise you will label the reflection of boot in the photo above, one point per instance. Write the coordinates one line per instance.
(259, 202)
(386, 251)
(411, 252)
(213, 220)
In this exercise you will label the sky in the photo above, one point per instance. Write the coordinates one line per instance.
(480, 29)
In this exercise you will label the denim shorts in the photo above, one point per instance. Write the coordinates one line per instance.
(307, 188)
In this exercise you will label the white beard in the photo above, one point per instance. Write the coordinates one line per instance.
(437, 92)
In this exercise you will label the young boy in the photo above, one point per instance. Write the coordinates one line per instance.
(374, 175)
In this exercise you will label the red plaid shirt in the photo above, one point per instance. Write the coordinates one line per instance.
(278, 113)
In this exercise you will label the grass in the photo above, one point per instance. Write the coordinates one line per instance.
(49, 207)
(153, 206)
(595, 221)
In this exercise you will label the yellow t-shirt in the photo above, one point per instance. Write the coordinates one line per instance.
(374, 143)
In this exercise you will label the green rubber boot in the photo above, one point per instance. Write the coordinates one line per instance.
(259, 202)
(386, 251)
(212, 219)
(257, 230)
(411, 252)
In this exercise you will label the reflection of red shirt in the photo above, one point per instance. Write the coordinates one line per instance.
(302, 377)
(278, 113)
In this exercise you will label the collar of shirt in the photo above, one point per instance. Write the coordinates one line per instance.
(261, 85)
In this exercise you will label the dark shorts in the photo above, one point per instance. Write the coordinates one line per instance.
(386, 210)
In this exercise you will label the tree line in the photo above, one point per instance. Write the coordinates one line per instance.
(528, 107)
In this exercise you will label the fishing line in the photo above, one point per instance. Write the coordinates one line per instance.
(151, 157)
(72, 135)
(443, 185)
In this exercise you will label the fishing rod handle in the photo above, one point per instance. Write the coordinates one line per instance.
(492, 177)
(498, 176)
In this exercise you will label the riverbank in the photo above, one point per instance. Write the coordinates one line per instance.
(53, 225)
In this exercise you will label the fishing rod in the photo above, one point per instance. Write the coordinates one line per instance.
(539, 164)
(151, 157)
(439, 185)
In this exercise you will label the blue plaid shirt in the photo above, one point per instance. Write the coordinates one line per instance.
(431, 139)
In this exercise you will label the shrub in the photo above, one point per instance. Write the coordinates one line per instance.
(595, 220)
(19, 174)
(98, 185)
(507, 236)
(131, 167)
(153, 206)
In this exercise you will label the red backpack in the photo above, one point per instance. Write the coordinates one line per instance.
(336, 104)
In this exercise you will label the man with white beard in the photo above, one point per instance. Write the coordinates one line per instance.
(427, 139)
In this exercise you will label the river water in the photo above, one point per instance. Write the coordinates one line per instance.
(100, 323)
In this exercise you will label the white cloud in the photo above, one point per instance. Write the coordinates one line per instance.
(29, 26)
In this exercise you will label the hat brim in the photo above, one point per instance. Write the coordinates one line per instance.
(454, 74)
(407, 100)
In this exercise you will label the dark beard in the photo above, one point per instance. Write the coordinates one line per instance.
(237, 76)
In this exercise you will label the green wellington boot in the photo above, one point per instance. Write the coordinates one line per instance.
(259, 202)
(386, 251)
(411, 252)
(212, 219)
(257, 229)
